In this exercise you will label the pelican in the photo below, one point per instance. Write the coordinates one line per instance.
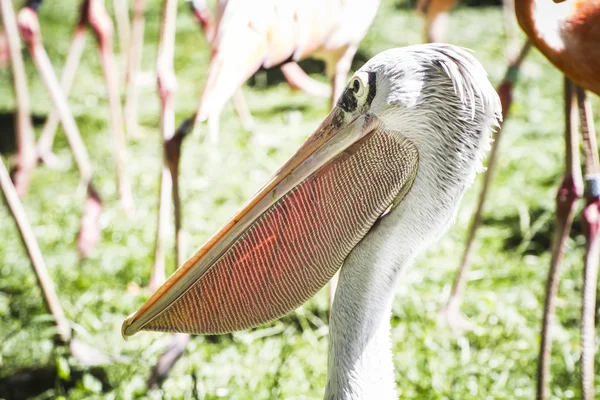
(377, 182)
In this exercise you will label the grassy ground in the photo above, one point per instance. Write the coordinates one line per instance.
(287, 359)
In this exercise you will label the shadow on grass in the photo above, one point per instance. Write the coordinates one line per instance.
(535, 241)
(30, 382)
(8, 131)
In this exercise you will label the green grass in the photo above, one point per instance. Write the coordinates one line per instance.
(287, 359)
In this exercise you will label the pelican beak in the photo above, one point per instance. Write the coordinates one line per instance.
(291, 237)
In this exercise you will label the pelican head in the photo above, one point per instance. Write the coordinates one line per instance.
(378, 180)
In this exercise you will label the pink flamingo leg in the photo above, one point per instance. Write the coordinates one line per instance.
(591, 227)
(166, 86)
(452, 310)
(165, 363)
(511, 28)
(44, 146)
(169, 177)
(35, 255)
(123, 28)
(26, 157)
(4, 50)
(30, 30)
(569, 192)
(133, 66)
(102, 25)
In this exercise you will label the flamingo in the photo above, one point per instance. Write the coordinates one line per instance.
(268, 33)
(293, 73)
(378, 181)
(296, 77)
(567, 33)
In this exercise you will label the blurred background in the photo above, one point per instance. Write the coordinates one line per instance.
(496, 359)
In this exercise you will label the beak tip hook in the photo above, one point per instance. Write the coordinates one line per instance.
(125, 328)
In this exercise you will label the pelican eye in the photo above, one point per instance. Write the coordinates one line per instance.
(358, 87)
(356, 94)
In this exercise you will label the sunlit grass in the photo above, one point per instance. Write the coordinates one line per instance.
(287, 359)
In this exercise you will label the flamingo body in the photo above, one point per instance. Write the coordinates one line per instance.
(568, 34)
(267, 33)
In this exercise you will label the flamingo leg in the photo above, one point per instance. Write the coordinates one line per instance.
(170, 173)
(26, 157)
(44, 146)
(90, 224)
(591, 228)
(133, 66)
(4, 50)
(452, 310)
(158, 276)
(123, 28)
(168, 359)
(569, 192)
(166, 81)
(33, 250)
(101, 23)
(173, 155)
(511, 27)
